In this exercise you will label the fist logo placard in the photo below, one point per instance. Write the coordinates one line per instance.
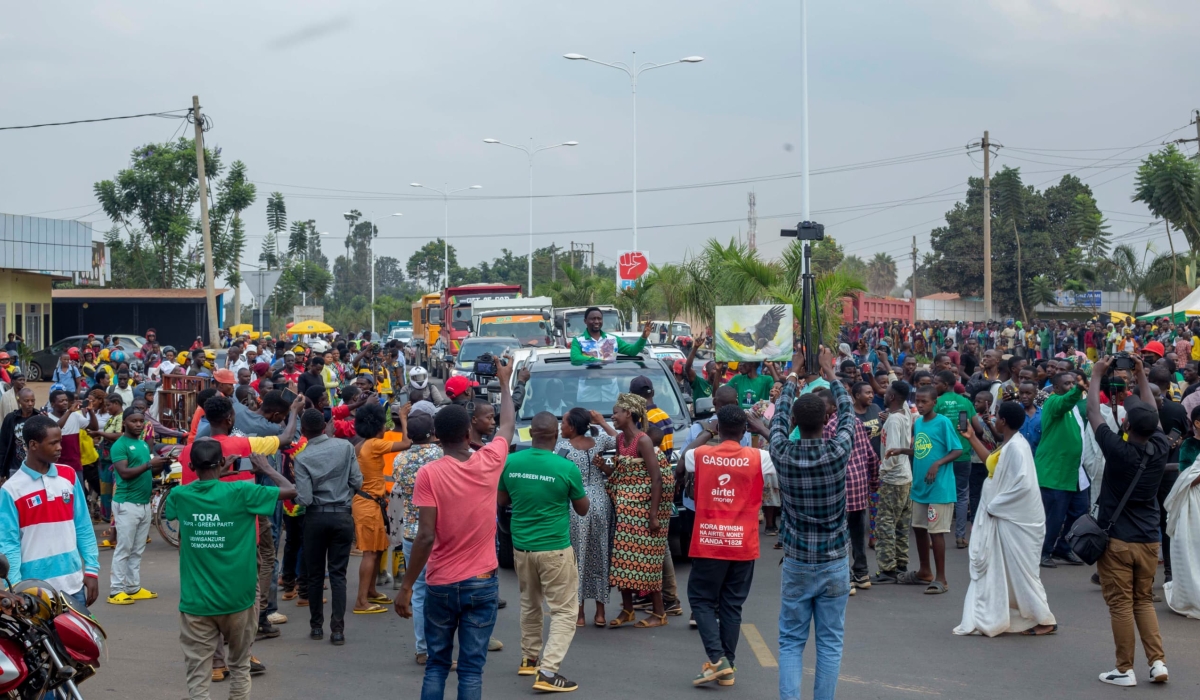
(633, 264)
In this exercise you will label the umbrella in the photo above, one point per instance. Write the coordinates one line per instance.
(240, 328)
(305, 327)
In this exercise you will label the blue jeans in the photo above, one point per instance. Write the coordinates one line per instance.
(962, 488)
(468, 607)
(80, 599)
(812, 593)
(1063, 508)
(418, 602)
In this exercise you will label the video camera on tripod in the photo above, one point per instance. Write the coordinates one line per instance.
(810, 312)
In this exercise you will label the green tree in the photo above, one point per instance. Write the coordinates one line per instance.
(669, 283)
(826, 255)
(133, 262)
(235, 194)
(1041, 291)
(577, 288)
(1168, 183)
(276, 225)
(1132, 271)
(425, 265)
(157, 193)
(881, 274)
(853, 265)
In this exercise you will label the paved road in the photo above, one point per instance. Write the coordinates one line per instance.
(898, 645)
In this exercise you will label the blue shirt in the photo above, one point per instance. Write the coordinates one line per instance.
(1031, 429)
(933, 440)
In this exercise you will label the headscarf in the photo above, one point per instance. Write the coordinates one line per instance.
(635, 405)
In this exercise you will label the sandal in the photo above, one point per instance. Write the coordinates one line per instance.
(936, 588)
(580, 621)
(371, 609)
(645, 623)
(381, 599)
(1032, 631)
(909, 578)
(624, 618)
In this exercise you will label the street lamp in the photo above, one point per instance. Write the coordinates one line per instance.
(530, 151)
(371, 255)
(446, 205)
(633, 70)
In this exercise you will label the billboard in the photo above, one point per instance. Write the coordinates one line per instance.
(631, 265)
(101, 271)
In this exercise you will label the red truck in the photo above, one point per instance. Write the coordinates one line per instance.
(456, 317)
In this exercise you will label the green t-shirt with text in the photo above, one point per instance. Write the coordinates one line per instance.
(218, 562)
(932, 441)
(950, 405)
(760, 386)
(542, 486)
(136, 452)
(701, 389)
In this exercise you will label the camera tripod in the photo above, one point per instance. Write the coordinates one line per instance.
(810, 308)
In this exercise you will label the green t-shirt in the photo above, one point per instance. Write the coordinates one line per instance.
(950, 405)
(760, 386)
(542, 486)
(137, 453)
(218, 563)
(701, 389)
(932, 441)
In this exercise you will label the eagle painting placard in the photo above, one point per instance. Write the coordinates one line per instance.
(754, 333)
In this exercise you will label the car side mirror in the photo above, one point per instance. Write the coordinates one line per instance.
(703, 408)
(545, 315)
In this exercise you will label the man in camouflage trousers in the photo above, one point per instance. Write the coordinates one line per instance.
(894, 512)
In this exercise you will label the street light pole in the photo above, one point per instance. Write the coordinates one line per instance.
(446, 236)
(371, 262)
(633, 70)
(530, 151)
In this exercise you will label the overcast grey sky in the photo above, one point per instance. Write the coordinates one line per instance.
(367, 97)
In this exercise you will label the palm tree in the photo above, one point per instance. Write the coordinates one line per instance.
(1169, 185)
(276, 224)
(1131, 273)
(670, 285)
(881, 274)
(853, 265)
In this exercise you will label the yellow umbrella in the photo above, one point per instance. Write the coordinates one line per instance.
(240, 328)
(305, 327)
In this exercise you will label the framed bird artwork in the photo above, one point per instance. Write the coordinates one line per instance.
(759, 333)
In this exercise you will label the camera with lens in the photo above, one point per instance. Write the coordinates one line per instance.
(485, 365)
(1122, 361)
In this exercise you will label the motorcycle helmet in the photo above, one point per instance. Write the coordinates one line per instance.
(168, 349)
(418, 377)
(73, 353)
(118, 356)
(104, 355)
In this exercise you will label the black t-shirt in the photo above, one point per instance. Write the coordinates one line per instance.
(870, 421)
(1174, 416)
(1139, 519)
(307, 380)
(969, 362)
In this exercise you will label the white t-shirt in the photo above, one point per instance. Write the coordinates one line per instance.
(897, 433)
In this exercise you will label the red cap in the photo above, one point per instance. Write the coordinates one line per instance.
(458, 385)
(224, 376)
(1155, 347)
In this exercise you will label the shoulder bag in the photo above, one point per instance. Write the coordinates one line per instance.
(1086, 538)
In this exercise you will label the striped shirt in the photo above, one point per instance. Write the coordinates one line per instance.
(812, 482)
(45, 529)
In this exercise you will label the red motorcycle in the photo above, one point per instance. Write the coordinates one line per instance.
(47, 646)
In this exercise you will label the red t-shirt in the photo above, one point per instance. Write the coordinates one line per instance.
(465, 495)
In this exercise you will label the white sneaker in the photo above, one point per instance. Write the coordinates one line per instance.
(1115, 677)
(277, 618)
(1158, 672)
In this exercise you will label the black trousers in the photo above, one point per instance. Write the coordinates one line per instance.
(295, 566)
(328, 538)
(716, 591)
(979, 474)
(856, 522)
(1169, 477)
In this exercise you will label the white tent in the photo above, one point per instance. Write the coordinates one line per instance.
(1191, 301)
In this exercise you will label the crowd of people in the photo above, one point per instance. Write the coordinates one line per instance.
(339, 446)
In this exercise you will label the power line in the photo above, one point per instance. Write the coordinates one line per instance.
(170, 114)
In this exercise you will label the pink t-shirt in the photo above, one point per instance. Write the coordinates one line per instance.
(465, 495)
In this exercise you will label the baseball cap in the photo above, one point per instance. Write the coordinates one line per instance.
(224, 376)
(1155, 347)
(1142, 417)
(422, 407)
(458, 385)
(641, 386)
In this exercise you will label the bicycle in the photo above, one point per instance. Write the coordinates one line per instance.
(169, 529)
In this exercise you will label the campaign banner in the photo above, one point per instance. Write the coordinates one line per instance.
(631, 265)
(754, 333)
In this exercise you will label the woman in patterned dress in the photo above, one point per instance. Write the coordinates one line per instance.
(591, 533)
(640, 491)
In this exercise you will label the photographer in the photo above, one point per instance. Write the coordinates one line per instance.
(1128, 565)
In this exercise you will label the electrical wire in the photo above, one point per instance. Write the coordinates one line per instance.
(170, 114)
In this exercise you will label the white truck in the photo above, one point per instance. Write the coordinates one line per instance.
(527, 319)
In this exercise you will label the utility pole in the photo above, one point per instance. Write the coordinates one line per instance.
(914, 278)
(209, 284)
(987, 227)
(752, 219)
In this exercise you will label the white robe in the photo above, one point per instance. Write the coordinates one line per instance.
(1006, 593)
(1182, 593)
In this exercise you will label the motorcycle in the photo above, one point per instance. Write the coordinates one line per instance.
(47, 645)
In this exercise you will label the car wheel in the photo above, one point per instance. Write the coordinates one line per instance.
(35, 372)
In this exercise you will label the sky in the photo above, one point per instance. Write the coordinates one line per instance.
(342, 106)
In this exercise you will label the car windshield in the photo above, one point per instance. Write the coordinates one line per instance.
(470, 351)
(528, 332)
(576, 325)
(594, 390)
(461, 317)
(680, 329)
